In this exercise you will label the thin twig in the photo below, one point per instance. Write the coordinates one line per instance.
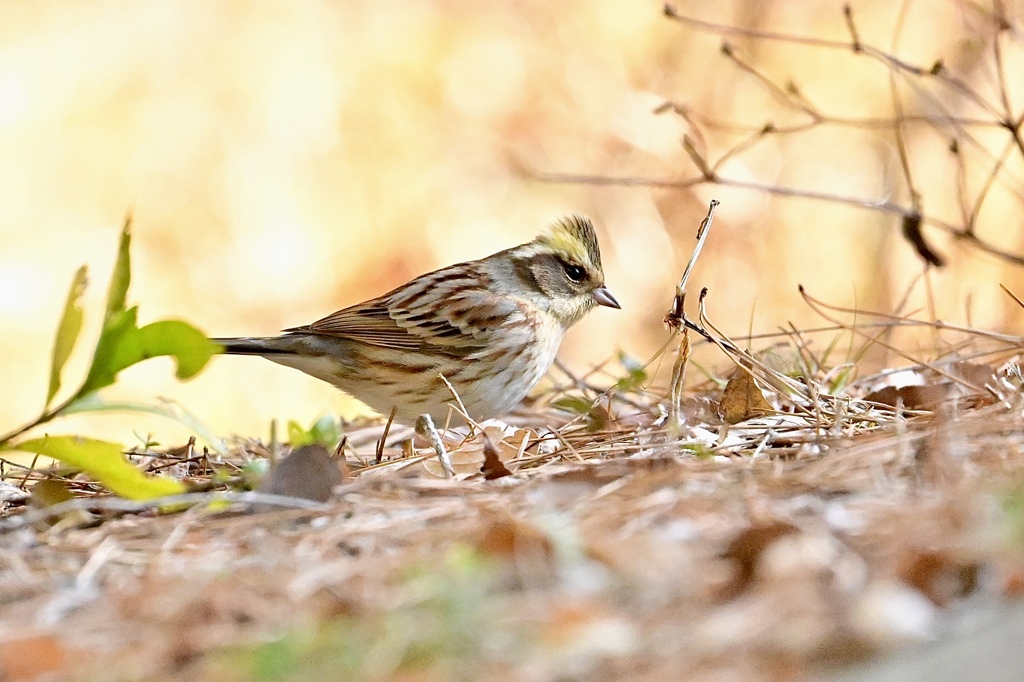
(117, 504)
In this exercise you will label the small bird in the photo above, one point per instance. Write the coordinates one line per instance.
(491, 327)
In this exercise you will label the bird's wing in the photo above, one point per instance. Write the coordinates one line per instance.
(449, 311)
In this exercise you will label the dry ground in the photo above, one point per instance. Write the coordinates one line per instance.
(789, 546)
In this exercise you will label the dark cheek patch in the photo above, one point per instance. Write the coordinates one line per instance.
(524, 270)
(547, 283)
(547, 273)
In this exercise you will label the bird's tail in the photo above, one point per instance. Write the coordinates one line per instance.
(252, 346)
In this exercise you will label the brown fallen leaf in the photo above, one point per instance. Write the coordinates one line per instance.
(746, 549)
(492, 467)
(54, 491)
(743, 399)
(29, 657)
(940, 576)
(973, 373)
(49, 492)
(470, 457)
(527, 554)
(1009, 572)
(913, 397)
(934, 388)
(308, 473)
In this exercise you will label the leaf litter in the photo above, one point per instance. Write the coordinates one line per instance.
(819, 531)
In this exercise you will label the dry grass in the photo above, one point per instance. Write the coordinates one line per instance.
(784, 546)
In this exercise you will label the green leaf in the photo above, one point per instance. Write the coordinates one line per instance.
(297, 435)
(123, 344)
(166, 408)
(636, 375)
(326, 431)
(67, 331)
(122, 277)
(254, 471)
(699, 450)
(596, 416)
(180, 340)
(111, 351)
(103, 461)
(574, 404)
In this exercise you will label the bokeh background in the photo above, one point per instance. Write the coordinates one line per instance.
(283, 160)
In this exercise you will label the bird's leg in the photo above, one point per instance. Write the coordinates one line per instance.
(425, 427)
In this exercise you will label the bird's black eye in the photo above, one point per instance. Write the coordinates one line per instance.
(575, 272)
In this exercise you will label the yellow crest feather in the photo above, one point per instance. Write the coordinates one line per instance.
(575, 237)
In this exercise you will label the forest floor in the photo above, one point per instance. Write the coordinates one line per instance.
(809, 539)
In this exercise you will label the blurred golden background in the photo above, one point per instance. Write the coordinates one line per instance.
(283, 160)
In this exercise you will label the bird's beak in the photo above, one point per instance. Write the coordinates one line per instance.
(605, 298)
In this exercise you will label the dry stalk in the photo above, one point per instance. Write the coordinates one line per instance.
(937, 96)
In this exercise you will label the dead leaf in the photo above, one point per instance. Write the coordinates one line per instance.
(972, 373)
(53, 491)
(1010, 577)
(912, 233)
(931, 389)
(940, 576)
(27, 658)
(466, 460)
(493, 467)
(470, 457)
(527, 552)
(746, 549)
(913, 397)
(308, 473)
(592, 631)
(49, 492)
(743, 399)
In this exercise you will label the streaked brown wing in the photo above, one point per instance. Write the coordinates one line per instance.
(368, 322)
(444, 311)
